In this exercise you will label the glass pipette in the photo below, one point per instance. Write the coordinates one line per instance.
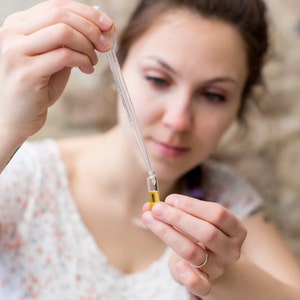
(114, 65)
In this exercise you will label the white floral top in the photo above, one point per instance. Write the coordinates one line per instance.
(46, 252)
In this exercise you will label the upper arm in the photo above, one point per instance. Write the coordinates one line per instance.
(266, 248)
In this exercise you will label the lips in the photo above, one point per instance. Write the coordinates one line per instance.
(168, 150)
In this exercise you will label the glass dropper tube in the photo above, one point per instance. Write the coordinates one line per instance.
(152, 183)
(152, 189)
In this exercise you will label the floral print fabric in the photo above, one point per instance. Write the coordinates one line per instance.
(47, 253)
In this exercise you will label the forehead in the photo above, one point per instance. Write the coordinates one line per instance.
(184, 37)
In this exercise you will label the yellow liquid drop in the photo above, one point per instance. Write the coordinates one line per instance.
(153, 198)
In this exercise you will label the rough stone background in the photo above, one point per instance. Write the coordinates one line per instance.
(268, 155)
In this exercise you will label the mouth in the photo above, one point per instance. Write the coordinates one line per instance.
(168, 150)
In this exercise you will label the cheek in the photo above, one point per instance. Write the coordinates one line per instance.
(221, 130)
(145, 114)
(145, 109)
(140, 105)
(226, 118)
(211, 130)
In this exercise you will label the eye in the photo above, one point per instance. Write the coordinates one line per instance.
(214, 97)
(157, 81)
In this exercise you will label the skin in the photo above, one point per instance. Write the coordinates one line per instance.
(183, 111)
(40, 67)
(188, 108)
(193, 113)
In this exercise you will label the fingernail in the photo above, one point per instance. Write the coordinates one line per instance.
(159, 209)
(105, 41)
(172, 200)
(181, 267)
(148, 219)
(105, 22)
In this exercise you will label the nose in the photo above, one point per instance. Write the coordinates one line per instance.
(178, 116)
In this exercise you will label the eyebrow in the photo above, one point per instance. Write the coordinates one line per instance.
(209, 81)
(222, 79)
(162, 64)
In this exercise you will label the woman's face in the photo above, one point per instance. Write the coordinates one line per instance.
(185, 76)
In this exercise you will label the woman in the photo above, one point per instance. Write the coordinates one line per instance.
(68, 208)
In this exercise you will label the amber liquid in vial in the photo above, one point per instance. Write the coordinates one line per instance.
(153, 198)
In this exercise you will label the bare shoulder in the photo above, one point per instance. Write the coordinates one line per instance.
(260, 222)
(260, 213)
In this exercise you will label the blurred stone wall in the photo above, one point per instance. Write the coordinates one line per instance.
(268, 155)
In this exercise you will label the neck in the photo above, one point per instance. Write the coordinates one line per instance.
(115, 169)
(125, 172)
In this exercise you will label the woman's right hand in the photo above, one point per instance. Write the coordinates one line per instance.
(38, 49)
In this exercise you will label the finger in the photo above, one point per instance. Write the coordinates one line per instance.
(193, 238)
(201, 232)
(182, 245)
(57, 83)
(61, 36)
(38, 70)
(185, 275)
(196, 281)
(94, 25)
(146, 207)
(51, 71)
(211, 212)
(57, 10)
(51, 62)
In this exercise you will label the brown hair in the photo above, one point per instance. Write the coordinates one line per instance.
(247, 16)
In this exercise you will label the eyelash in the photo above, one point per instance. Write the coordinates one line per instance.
(157, 81)
(214, 97)
(211, 97)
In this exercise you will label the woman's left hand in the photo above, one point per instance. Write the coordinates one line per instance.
(205, 237)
